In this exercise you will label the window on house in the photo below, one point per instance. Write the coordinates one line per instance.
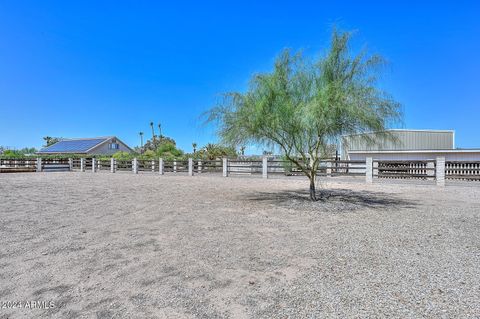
(114, 146)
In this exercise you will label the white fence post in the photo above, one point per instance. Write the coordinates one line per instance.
(174, 166)
(39, 164)
(160, 166)
(369, 170)
(153, 165)
(199, 166)
(190, 167)
(112, 165)
(94, 164)
(82, 164)
(431, 169)
(265, 167)
(135, 166)
(329, 169)
(99, 165)
(225, 167)
(70, 164)
(440, 170)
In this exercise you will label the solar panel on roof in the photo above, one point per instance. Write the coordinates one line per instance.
(73, 146)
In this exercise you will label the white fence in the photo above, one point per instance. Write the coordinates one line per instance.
(435, 170)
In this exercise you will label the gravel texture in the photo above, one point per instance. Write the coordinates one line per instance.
(148, 246)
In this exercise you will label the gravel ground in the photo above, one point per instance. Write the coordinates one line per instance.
(147, 246)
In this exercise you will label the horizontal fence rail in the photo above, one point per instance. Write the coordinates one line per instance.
(342, 168)
(103, 164)
(241, 167)
(325, 168)
(147, 165)
(20, 165)
(371, 169)
(207, 166)
(123, 165)
(176, 166)
(77, 163)
(56, 165)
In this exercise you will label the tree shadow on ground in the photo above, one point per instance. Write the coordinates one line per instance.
(332, 200)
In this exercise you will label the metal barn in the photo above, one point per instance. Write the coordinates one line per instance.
(399, 140)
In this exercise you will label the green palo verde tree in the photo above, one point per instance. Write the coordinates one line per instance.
(305, 105)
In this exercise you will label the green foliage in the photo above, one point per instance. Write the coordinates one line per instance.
(154, 143)
(213, 151)
(11, 154)
(24, 152)
(169, 151)
(123, 156)
(148, 154)
(305, 105)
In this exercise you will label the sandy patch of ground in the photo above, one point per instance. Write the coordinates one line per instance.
(148, 246)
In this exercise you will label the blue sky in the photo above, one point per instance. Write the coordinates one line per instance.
(80, 68)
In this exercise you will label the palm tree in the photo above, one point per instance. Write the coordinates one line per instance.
(159, 130)
(213, 151)
(153, 133)
(141, 139)
(194, 145)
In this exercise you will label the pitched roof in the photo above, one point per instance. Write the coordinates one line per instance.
(78, 145)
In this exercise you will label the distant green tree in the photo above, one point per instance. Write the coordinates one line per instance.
(213, 151)
(303, 106)
(11, 154)
(123, 156)
(23, 152)
(148, 154)
(155, 144)
(153, 131)
(141, 139)
(169, 151)
(50, 140)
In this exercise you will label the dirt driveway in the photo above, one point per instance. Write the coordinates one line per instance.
(148, 246)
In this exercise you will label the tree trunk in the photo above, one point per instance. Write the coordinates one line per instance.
(313, 195)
